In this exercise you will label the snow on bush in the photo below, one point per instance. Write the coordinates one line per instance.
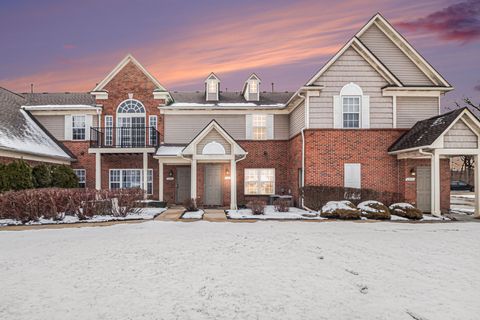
(406, 210)
(257, 206)
(344, 210)
(374, 210)
(281, 205)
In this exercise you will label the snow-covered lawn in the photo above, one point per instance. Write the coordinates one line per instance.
(193, 214)
(142, 214)
(271, 270)
(271, 214)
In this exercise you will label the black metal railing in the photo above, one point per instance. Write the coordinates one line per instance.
(124, 137)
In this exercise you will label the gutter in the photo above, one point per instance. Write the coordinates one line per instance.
(302, 131)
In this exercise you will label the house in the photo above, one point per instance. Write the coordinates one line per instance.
(369, 118)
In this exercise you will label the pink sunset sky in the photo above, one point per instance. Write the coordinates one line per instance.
(71, 45)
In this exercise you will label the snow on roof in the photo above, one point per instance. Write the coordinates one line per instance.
(169, 150)
(61, 107)
(189, 105)
(33, 140)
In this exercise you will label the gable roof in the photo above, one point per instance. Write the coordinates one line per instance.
(424, 133)
(213, 125)
(399, 40)
(379, 66)
(129, 58)
(212, 76)
(21, 132)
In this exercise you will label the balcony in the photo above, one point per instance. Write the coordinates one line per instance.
(124, 137)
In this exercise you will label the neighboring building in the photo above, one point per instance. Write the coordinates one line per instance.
(359, 122)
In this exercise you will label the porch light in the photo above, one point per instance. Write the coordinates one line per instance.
(170, 173)
(412, 171)
(227, 174)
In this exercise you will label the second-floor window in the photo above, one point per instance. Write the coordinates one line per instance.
(78, 127)
(351, 111)
(259, 127)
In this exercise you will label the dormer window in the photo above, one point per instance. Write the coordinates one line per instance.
(212, 88)
(251, 88)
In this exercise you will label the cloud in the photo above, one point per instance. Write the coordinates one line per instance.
(69, 46)
(458, 22)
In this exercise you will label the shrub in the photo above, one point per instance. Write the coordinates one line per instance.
(374, 210)
(315, 197)
(281, 205)
(257, 206)
(344, 210)
(126, 201)
(18, 176)
(4, 184)
(190, 204)
(64, 177)
(42, 176)
(406, 210)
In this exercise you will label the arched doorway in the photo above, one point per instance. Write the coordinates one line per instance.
(131, 123)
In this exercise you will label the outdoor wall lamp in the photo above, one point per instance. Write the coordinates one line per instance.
(412, 171)
(170, 173)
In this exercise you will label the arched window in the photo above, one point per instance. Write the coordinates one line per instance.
(131, 106)
(213, 148)
(351, 101)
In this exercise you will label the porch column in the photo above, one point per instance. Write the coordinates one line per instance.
(145, 173)
(193, 181)
(477, 185)
(160, 182)
(233, 184)
(98, 171)
(435, 189)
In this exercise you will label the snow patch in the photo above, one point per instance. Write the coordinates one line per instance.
(193, 214)
(271, 214)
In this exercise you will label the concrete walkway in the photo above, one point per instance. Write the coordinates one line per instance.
(214, 215)
(171, 214)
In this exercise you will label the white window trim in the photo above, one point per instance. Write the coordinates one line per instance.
(84, 176)
(253, 85)
(108, 130)
(258, 181)
(359, 111)
(256, 126)
(150, 171)
(84, 126)
(212, 86)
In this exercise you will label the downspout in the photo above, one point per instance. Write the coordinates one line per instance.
(302, 131)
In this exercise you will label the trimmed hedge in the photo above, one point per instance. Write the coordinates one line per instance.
(374, 210)
(344, 210)
(315, 197)
(406, 210)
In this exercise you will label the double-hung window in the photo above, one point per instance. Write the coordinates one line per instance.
(212, 86)
(259, 181)
(351, 111)
(78, 127)
(259, 127)
(81, 175)
(130, 178)
(253, 87)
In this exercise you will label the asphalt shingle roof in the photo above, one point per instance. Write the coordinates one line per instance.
(67, 98)
(425, 132)
(266, 98)
(21, 132)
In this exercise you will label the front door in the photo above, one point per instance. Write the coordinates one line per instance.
(213, 185)
(424, 187)
(183, 184)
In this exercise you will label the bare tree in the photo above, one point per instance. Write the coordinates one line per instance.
(468, 103)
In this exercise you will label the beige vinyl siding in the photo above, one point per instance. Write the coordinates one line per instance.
(214, 135)
(280, 127)
(54, 124)
(351, 67)
(460, 136)
(413, 109)
(393, 58)
(297, 120)
(183, 128)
